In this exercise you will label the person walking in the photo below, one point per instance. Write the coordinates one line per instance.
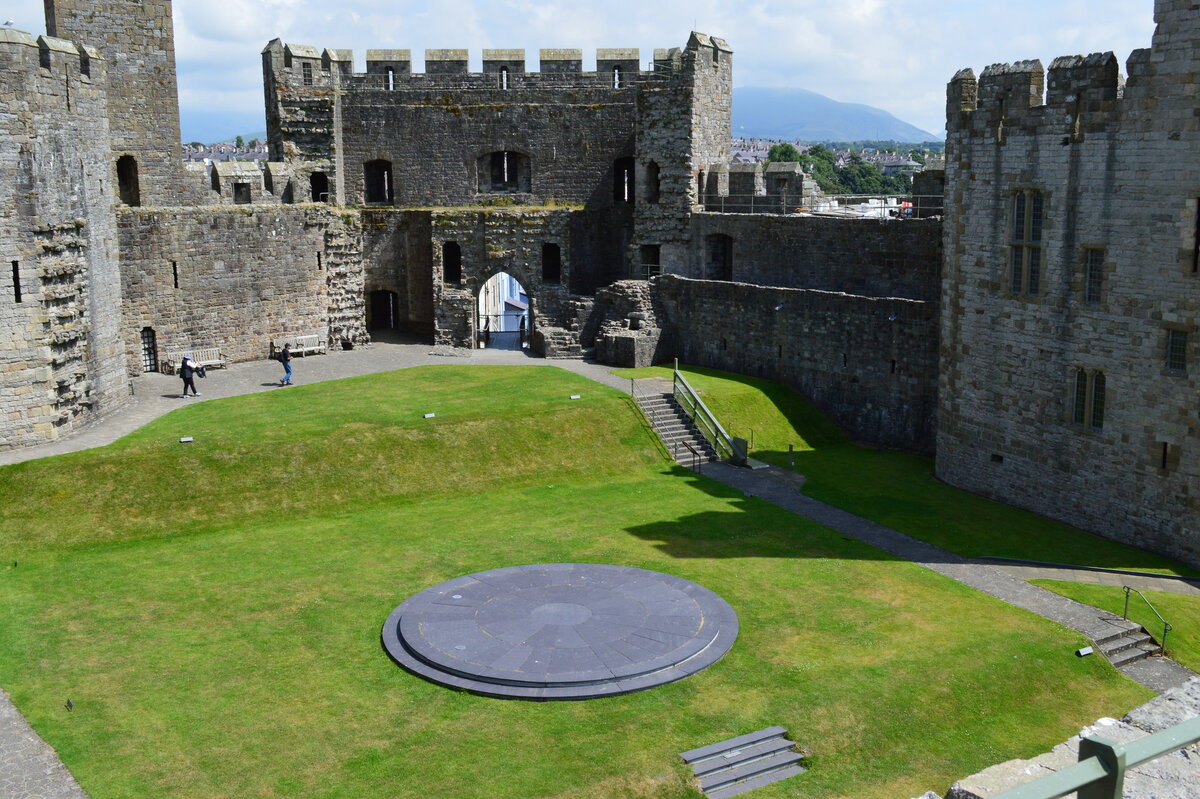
(285, 358)
(187, 370)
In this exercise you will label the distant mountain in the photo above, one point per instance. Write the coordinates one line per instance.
(211, 127)
(801, 115)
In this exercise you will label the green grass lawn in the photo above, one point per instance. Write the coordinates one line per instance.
(894, 488)
(1181, 610)
(213, 609)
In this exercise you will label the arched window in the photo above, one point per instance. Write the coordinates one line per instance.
(504, 171)
(318, 182)
(551, 263)
(377, 177)
(1090, 396)
(127, 180)
(623, 180)
(451, 262)
(652, 188)
(1028, 216)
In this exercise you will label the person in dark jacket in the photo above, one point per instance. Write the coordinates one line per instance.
(285, 358)
(187, 370)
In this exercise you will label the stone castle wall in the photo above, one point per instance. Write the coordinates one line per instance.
(61, 361)
(235, 278)
(872, 257)
(869, 362)
(1116, 167)
(136, 39)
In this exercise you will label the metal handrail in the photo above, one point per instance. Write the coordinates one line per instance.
(1166, 624)
(1100, 772)
(885, 206)
(701, 416)
(697, 459)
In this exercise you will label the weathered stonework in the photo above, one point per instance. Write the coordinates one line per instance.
(1117, 168)
(868, 362)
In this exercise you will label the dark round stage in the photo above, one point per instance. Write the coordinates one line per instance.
(560, 631)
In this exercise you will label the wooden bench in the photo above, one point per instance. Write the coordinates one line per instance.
(300, 345)
(203, 356)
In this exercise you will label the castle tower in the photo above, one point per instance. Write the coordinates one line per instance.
(136, 39)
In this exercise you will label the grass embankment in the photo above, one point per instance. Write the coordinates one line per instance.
(894, 488)
(213, 609)
(1181, 610)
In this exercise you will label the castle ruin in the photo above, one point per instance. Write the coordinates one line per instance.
(1036, 336)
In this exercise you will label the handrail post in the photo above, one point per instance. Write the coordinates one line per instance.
(1125, 615)
(1112, 756)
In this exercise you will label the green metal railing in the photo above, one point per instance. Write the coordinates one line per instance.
(1100, 772)
(1166, 625)
(701, 416)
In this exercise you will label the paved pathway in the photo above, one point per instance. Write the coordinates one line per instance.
(781, 488)
(29, 768)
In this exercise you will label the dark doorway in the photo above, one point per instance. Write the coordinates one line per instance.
(451, 262)
(551, 263)
(149, 350)
(127, 180)
(383, 310)
(378, 182)
(720, 257)
(319, 182)
(623, 181)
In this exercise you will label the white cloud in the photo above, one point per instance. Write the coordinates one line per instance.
(897, 56)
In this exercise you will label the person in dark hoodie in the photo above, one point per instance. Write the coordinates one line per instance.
(285, 358)
(187, 370)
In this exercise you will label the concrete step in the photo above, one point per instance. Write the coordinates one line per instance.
(728, 761)
(756, 782)
(1127, 656)
(751, 770)
(741, 764)
(1119, 629)
(1117, 645)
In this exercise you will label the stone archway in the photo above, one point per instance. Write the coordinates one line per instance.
(503, 317)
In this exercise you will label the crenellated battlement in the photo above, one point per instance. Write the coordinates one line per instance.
(616, 68)
(49, 55)
(1024, 93)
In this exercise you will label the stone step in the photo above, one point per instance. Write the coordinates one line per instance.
(756, 782)
(750, 770)
(732, 759)
(1127, 656)
(693, 756)
(1120, 629)
(1116, 645)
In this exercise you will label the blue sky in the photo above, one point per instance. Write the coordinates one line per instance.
(887, 53)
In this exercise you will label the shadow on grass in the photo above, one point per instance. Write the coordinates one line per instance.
(896, 489)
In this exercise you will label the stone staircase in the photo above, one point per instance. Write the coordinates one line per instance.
(744, 763)
(675, 428)
(1128, 643)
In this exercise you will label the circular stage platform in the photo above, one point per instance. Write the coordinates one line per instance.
(560, 631)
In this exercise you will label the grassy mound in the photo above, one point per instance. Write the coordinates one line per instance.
(213, 609)
(893, 488)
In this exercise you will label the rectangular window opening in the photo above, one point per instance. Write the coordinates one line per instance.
(1177, 351)
(174, 274)
(1166, 449)
(997, 458)
(241, 193)
(320, 266)
(16, 277)
(306, 68)
(1196, 241)
(1093, 277)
